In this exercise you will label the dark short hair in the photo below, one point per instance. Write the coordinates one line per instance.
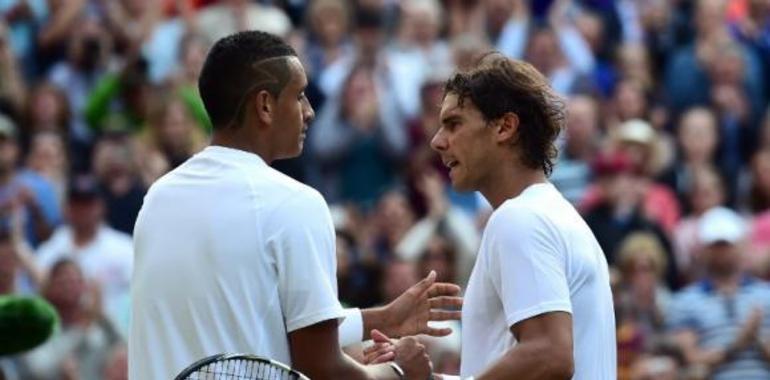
(498, 85)
(229, 73)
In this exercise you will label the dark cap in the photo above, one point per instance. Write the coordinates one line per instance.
(368, 18)
(84, 187)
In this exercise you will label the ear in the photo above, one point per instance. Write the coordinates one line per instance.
(263, 106)
(506, 127)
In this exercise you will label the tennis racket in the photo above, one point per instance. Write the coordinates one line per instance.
(238, 367)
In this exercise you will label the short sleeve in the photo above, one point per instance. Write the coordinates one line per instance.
(678, 316)
(302, 245)
(526, 265)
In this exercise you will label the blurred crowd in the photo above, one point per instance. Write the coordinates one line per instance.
(666, 153)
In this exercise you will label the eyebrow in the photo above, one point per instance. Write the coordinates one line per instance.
(450, 118)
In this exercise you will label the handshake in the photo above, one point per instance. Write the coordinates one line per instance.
(406, 317)
(409, 356)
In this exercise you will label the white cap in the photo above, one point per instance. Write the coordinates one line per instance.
(721, 224)
(636, 130)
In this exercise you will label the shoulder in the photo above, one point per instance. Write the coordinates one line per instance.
(517, 217)
(691, 295)
(117, 237)
(302, 202)
(56, 246)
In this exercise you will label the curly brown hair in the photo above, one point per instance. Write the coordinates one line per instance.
(498, 85)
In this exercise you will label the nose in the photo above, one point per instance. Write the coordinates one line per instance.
(309, 113)
(439, 141)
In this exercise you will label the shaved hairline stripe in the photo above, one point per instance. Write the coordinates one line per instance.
(272, 74)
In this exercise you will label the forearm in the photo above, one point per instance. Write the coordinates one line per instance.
(11, 87)
(28, 263)
(416, 239)
(375, 318)
(61, 24)
(347, 368)
(534, 360)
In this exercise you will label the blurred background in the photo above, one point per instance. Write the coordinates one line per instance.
(666, 154)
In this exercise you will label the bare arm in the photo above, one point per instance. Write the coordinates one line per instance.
(61, 24)
(11, 83)
(543, 351)
(315, 352)
(688, 341)
(747, 336)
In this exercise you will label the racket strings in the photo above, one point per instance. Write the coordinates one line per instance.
(239, 369)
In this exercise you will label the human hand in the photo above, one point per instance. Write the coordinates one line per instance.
(731, 100)
(411, 356)
(432, 188)
(749, 332)
(19, 12)
(383, 350)
(425, 301)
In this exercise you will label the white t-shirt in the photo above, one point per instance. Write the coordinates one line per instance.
(230, 256)
(107, 259)
(537, 256)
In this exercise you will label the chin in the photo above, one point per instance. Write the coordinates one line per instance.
(462, 186)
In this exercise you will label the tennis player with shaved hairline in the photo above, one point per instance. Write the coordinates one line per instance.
(233, 256)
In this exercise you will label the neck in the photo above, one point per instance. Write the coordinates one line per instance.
(727, 282)
(70, 316)
(83, 236)
(579, 150)
(237, 139)
(506, 183)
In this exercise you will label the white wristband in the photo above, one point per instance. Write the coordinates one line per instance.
(351, 330)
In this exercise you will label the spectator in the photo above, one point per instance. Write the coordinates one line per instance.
(79, 348)
(441, 220)
(329, 24)
(121, 182)
(716, 322)
(19, 271)
(104, 254)
(619, 212)
(641, 143)
(120, 101)
(172, 132)
(88, 57)
(641, 297)
(230, 16)
(47, 110)
(360, 139)
(697, 138)
(706, 191)
(35, 194)
(572, 173)
(47, 158)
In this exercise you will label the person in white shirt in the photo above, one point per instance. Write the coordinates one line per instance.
(538, 303)
(104, 253)
(233, 256)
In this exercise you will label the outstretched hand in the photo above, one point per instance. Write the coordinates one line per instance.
(425, 301)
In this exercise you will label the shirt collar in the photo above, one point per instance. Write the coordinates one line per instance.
(708, 286)
(235, 154)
